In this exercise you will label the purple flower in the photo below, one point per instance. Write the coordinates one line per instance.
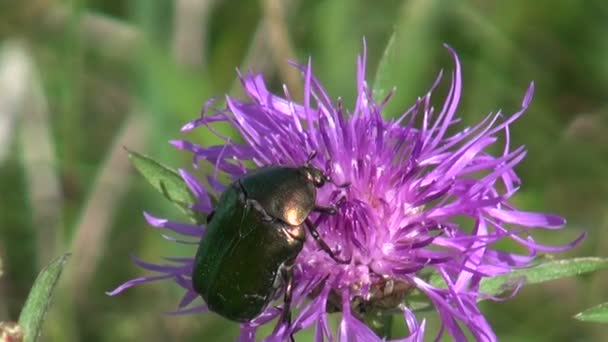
(424, 198)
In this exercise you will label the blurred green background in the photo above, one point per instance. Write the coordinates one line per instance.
(81, 79)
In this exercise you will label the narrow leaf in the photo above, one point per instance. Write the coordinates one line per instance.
(37, 303)
(382, 81)
(544, 271)
(598, 313)
(409, 54)
(167, 181)
(548, 270)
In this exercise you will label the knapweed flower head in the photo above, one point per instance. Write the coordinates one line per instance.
(425, 197)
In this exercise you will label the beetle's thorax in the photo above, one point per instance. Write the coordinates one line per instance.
(286, 193)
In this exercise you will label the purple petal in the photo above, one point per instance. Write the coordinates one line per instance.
(204, 202)
(135, 282)
(180, 228)
(527, 218)
(194, 310)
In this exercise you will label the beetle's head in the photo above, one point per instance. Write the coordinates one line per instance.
(315, 176)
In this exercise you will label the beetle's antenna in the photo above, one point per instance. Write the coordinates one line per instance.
(311, 156)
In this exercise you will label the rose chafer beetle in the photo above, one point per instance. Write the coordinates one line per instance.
(253, 237)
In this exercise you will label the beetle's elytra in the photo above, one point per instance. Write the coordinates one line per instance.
(253, 237)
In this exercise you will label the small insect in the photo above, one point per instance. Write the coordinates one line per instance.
(253, 237)
(385, 295)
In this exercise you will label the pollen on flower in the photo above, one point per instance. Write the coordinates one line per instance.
(396, 223)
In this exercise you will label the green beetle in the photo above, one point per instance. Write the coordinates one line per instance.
(253, 237)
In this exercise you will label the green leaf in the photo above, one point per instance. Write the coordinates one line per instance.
(37, 303)
(598, 313)
(382, 81)
(168, 182)
(547, 270)
(544, 271)
(409, 55)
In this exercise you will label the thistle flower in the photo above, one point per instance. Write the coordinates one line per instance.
(412, 180)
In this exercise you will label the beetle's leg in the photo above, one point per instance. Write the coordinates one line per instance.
(210, 216)
(343, 185)
(287, 277)
(315, 234)
(331, 210)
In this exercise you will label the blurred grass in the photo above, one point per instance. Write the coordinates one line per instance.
(100, 62)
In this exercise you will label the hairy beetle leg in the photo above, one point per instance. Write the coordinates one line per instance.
(287, 277)
(315, 234)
